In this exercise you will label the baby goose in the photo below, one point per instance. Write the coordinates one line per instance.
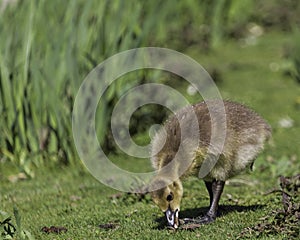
(244, 137)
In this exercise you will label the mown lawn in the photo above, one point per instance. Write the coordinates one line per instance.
(72, 198)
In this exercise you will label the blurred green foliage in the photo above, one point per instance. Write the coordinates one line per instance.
(294, 56)
(48, 47)
(46, 51)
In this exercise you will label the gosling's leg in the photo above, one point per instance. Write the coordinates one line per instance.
(210, 191)
(215, 195)
(215, 190)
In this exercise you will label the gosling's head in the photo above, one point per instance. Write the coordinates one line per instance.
(168, 200)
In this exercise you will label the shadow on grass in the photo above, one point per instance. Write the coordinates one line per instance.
(196, 212)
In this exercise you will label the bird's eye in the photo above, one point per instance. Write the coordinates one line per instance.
(170, 197)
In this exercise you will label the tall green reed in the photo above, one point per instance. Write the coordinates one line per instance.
(48, 47)
(46, 50)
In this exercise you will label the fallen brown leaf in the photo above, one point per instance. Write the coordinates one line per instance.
(108, 226)
(54, 229)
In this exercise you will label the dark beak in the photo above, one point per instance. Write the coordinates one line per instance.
(172, 218)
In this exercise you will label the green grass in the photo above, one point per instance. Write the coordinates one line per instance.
(71, 197)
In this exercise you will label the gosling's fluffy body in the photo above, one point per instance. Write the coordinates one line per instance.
(245, 135)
